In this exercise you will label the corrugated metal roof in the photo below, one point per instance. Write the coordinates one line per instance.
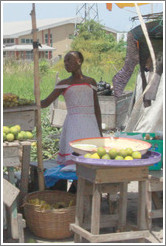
(27, 47)
(20, 28)
(16, 29)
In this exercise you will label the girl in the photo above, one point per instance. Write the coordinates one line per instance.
(83, 118)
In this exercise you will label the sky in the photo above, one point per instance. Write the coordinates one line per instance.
(118, 19)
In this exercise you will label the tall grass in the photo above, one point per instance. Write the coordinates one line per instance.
(18, 78)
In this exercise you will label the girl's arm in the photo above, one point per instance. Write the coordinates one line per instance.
(97, 108)
(52, 97)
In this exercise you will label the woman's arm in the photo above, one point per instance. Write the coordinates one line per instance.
(97, 108)
(98, 112)
(52, 97)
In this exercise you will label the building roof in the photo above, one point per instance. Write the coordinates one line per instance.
(20, 28)
(27, 47)
(17, 29)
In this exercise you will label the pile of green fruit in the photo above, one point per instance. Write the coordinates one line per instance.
(114, 154)
(11, 133)
(43, 205)
(11, 100)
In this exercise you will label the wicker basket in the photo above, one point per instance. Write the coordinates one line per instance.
(52, 223)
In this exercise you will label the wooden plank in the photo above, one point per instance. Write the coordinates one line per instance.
(79, 207)
(95, 215)
(10, 193)
(123, 206)
(141, 215)
(24, 172)
(110, 174)
(109, 237)
(119, 236)
(11, 156)
(21, 225)
(59, 117)
(107, 106)
(155, 185)
(109, 120)
(157, 203)
(20, 108)
(80, 231)
(114, 175)
(156, 174)
(26, 119)
(10, 152)
(158, 213)
(12, 211)
(112, 188)
(106, 221)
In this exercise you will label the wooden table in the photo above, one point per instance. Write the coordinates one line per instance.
(102, 175)
(17, 154)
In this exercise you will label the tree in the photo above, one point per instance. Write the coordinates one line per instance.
(93, 38)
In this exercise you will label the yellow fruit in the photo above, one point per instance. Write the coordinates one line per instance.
(20, 136)
(122, 152)
(4, 136)
(119, 157)
(95, 156)
(10, 137)
(14, 130)
(136, 155)
(106, 157)
(6, 129)
(129, 151)
(113, 153)
(18, 127)
(87, 155)
(101, 151)
(29, 135)
(45, 206)
(128, 157)
(34, 144)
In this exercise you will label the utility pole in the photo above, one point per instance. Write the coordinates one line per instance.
(86, 12)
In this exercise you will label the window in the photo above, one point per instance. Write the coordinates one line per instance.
(26, 41)
(29, 55)
(46, 39)
(8, 41)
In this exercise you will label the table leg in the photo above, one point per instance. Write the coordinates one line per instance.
(79, 207)
(12, 211)
(96, 203)
(24, 172)
(123, 206)
(141, 219)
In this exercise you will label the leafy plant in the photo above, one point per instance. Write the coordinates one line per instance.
(50, 140)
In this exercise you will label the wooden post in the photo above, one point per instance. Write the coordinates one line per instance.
(37, 100)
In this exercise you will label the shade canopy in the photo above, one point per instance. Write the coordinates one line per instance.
(122, 5)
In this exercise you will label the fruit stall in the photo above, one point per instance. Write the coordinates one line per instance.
(19, 119)
(102, 163)
(18, 123)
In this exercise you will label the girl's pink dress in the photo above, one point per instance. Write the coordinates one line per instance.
(80, 121)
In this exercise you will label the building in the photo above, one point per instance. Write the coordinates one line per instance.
(54, 35)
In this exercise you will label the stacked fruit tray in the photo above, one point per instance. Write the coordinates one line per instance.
(11, 100)
(12, 133)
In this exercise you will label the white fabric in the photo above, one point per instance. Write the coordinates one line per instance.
(80, 121)
(149, 119)
(69, 168)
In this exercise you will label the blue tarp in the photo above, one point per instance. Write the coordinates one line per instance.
(53, 175)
